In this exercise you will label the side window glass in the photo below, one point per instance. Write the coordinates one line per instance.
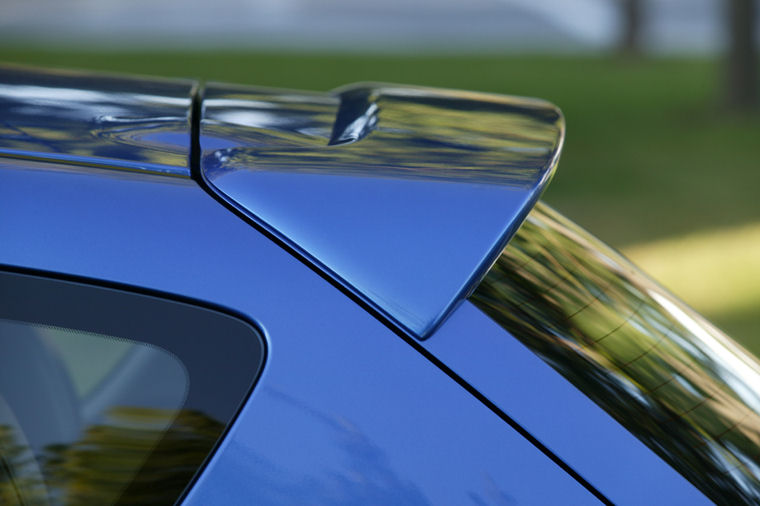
(111, 397)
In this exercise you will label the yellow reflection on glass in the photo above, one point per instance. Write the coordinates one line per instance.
(97, 468)
(79, 426)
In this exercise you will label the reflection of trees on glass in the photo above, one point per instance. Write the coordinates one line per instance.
(680, 385)
(131, 458)
(20, 480)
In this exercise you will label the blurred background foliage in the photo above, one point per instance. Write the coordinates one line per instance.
(660, 98)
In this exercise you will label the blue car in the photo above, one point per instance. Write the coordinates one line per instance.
(215, 294)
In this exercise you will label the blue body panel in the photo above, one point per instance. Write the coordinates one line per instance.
(96, 120)
(403, 195)
(571, 425)
(345, 411)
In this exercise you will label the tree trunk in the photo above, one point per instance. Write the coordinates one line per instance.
(630, 41)
(742, 76)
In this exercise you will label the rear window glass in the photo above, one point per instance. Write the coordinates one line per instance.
(680, 385)
(112, 397)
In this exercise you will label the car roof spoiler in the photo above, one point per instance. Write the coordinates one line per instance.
(96, 120)
(402, 195)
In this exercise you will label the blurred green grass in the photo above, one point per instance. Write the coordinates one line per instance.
(649, 153)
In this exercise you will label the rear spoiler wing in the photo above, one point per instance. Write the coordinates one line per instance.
(403, 195)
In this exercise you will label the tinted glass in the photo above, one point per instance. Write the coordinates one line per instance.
(680, 385)
(112, 397)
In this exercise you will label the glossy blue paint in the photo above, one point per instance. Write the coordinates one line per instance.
(95, 120)
(404, 195)
(543, 402)
(345, 411)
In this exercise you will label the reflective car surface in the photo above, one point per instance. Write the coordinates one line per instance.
(676, 382)
(213, 294)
